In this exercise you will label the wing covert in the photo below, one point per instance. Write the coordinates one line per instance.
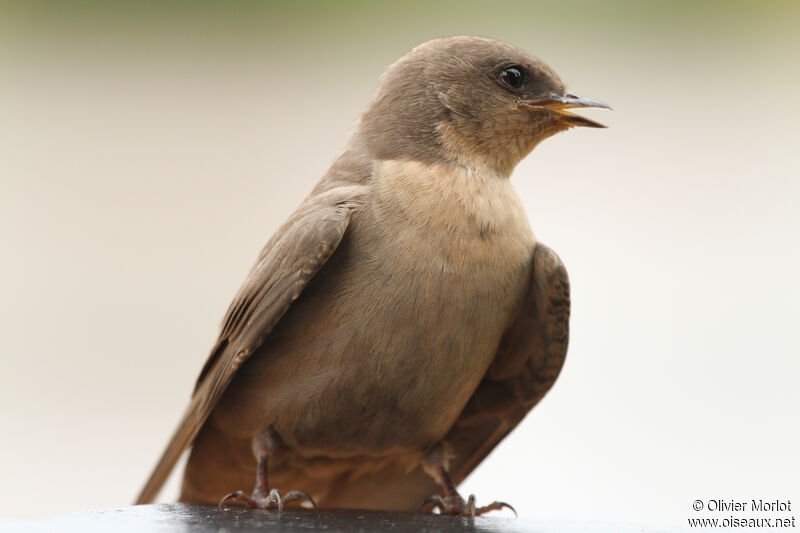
(528, 361)
(287, 263)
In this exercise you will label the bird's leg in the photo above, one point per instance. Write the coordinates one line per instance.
(263, 497)
(435, 464)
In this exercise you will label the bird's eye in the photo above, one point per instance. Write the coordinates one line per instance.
(512, 76)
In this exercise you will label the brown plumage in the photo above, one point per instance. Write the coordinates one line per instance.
(404, 319)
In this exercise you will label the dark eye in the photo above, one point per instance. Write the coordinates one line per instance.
(513, 76)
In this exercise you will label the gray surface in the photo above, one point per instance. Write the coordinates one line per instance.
(207, 519)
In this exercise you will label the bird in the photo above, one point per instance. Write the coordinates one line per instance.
(404, 319)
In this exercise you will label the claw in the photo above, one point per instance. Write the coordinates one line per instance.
(436, 501)
(495, 506)
(270, 501)
(263, 497)
(240, 496)
(455, 505)
(298, 495)
(274, 497)
(229, 496)
(470, 506)
(452, 503)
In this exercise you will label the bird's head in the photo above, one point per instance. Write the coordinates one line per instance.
(475, 101)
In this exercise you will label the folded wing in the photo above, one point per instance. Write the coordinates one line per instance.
(285, 266)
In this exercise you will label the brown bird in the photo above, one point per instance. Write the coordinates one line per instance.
(404, 319)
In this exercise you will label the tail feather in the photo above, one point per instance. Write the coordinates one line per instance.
(184, 435)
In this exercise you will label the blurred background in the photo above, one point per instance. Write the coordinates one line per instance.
(148, 150)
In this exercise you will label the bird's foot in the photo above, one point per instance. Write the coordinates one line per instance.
(270, 500)
(454, 504)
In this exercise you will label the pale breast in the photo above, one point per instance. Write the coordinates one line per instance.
(454, 216)
(390, 340)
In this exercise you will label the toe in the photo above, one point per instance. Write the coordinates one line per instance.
(494, 506)
(238, 496)
(435, 501)
(298, 495)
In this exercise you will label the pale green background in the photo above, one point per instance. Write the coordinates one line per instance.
(148, 150)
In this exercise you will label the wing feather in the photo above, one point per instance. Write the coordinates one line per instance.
(286, 264)
(528, 361)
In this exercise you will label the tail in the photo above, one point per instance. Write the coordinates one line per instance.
(184, 435)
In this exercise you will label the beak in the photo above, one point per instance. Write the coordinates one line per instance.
(559, 105)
